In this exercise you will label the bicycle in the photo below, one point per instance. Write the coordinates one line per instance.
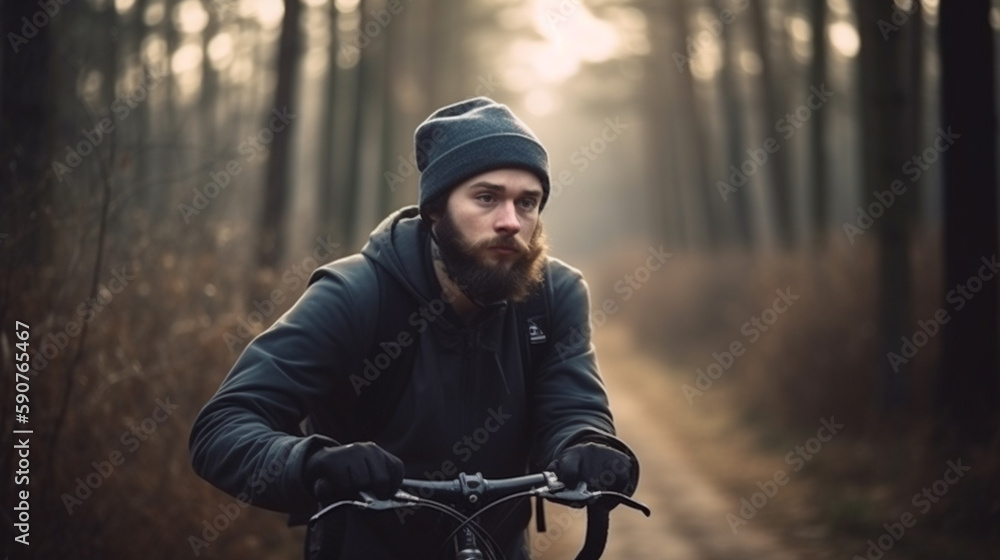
(474, 495)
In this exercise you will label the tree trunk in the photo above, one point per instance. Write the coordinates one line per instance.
(387, 152)
(773, 111)
(329, 162)
(276, 190)
(817, 77)
(208, 105)
(701, 190)
(889, 142)
(661, 156)
(735, 140)
(27, 114)
(354, 148)
(969, 392)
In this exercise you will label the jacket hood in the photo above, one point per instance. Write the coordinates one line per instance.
(400, 245)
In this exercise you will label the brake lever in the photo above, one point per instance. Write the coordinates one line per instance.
(324, 510)
(573, 497)
(368, 501)
(400, 499)
(617, 498)
(581, 497)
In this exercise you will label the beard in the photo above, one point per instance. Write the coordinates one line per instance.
(487, 282)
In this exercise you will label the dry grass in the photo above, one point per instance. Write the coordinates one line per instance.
(160, 340)
(820, 358)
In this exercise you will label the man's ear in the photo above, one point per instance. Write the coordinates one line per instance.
(430, 218)
(432, 212)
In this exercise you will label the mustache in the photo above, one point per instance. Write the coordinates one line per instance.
(512, 243)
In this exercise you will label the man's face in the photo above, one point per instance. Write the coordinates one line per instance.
(491, 237)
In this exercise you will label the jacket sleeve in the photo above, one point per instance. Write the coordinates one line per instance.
(246, 440)
(570, 402)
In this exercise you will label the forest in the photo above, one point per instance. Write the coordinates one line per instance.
(786, 213)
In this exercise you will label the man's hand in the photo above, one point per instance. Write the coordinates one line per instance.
(600, 466)
(344, 471)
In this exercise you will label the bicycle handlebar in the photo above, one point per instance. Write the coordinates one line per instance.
(482, 494)
(473, 488)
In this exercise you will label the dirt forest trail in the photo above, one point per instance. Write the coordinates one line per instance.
(689, 513)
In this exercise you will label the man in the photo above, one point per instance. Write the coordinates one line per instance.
(464, 259)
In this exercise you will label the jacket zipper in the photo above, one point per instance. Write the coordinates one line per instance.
(464, 384)
(466, 397)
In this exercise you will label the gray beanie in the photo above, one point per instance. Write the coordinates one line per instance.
(462, 140)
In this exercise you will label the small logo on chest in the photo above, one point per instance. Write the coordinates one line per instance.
(535, 333)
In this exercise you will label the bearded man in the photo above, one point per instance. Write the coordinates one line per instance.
(414, 358)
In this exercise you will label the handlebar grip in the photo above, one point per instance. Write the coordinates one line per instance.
(423, 487)
(598, 523)
(514, 485)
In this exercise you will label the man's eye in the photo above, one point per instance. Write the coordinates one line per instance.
(485, 197)
(529, 203)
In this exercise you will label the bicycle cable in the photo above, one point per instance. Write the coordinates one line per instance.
(416, 501)
(492, 548)
(469, 520)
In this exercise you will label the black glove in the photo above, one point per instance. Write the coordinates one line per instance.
(342, 472)
(600, 466)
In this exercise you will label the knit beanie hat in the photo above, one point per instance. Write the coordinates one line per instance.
(462, 140)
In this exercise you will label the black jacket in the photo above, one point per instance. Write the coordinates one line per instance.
(465, 409)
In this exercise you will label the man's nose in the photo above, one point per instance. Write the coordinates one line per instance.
(507, 221)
